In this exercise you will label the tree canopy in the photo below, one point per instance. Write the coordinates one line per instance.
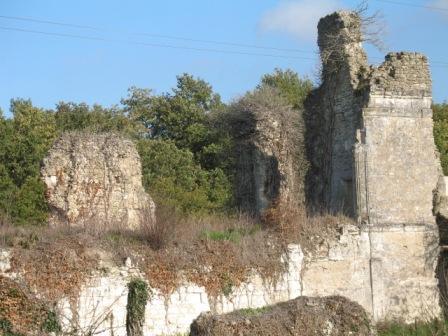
(183, 137)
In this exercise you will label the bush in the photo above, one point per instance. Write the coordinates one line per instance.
(174, 179)
(24, 141)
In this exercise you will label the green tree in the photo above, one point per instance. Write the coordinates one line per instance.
(24, 141)
(71, 116)
(33, 131)
(441, 133)
(190, 162)
(180, 116)
(173, 178)
(289, 84)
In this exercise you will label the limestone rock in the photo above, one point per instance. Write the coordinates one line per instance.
(95, 180)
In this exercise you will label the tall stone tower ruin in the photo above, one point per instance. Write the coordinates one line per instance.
(373, 157)
(372, 147)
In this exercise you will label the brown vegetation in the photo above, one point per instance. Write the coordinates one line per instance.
(217, 252)
(20, 311)
(333, 316)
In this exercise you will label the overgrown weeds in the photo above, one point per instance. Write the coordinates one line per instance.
(217, 252)
(21, 313)
(294, 225)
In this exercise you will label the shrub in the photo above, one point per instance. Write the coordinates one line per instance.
(24, 141)
(174, 179)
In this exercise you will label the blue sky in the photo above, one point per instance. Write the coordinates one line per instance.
(49, 69)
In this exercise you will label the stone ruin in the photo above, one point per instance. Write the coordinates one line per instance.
(270, 165)
(95, 180)
(371, 141)
(373, 157)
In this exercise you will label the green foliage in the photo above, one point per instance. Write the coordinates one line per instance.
(96, 119)
(173, 177)
(433, 328)
(290, 85)
(30, 206)
(184, 150)
(183, 137)
(233, 235)
(181, 116)
(51, 323)
(24, 141)
(441, 133)
(137, 299)
(33, 132)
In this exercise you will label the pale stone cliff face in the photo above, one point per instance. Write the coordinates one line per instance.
(95, 179)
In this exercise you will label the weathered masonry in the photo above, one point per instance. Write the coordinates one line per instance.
(374, 158)
(95, 180)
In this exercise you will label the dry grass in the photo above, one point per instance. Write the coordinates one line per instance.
(217, 252)
(294, 225)
(432, 328)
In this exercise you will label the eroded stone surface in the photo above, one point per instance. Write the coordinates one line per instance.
(94, 180)
(374, 158)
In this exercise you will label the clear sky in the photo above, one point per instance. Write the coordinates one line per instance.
(51, 68)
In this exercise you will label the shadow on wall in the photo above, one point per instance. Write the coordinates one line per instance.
(316, 147)
(258, 182)
(442, 263)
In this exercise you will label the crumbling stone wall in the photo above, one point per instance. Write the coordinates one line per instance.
(95, 179)
(270, 157)
(374, 158)
(400, 167)
(333, 113)
(403, 290)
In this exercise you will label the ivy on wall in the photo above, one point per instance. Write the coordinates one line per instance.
(137, 298)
